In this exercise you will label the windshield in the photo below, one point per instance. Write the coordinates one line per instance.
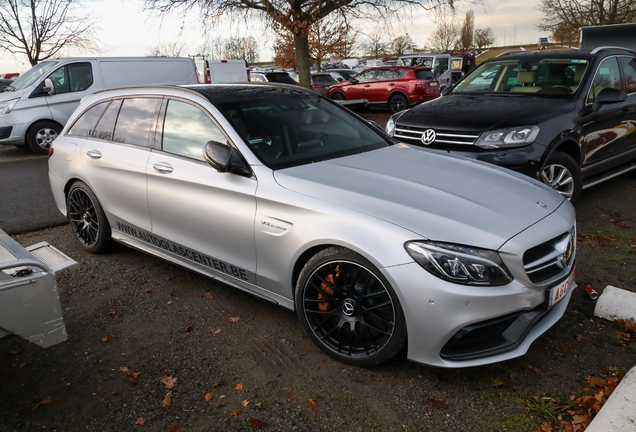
(540, 77)
(31, 76)
(286, 128)
(422, 61)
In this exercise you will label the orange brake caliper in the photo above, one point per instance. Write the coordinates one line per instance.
(323, 287)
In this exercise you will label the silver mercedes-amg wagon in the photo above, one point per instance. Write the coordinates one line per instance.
(282, 193)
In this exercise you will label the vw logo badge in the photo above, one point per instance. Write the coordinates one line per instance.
(348, 307)
(428, 136)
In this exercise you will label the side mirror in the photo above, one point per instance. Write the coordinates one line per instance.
(48, 87)
(353, 81)
(224, 158)
(609, 96)
(340, 79)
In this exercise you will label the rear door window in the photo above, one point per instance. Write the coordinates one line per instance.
(84, 125)
(628, 66)
(136, 120)
(106, 125)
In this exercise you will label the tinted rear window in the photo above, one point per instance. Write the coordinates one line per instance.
(84, 125)
(136, 119)
(324, 79)
(280, 77)
(424, 74)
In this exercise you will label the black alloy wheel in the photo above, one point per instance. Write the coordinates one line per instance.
(348, 309)
(87, 219)
(338, 96)
(398, 102)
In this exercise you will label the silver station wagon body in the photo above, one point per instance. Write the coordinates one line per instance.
(284, 194)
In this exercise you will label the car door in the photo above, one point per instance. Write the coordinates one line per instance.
(199, 215)
(357, 90)
(71, 83)
(115, 155)
(628, 71)
(603, 131)
(382, 85)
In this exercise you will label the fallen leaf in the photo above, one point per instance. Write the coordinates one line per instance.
(312, 403)
(579, 338)
(167, 400)
(43, 402)
(257, 423)
(596, 381)
(217, 331)
(107, 338)
(271, 313)
(14, 352)
(235, 413)
(174, 427)
(290, 388)
(498, 383)
(232, 320)
(123, 369)
(170, 302)
(148, 290)
(140, 421)
(535, 369)
(220, 383)
(435, 403)
(112, 312)
(222, 404)
(133, 377)
(169, 382)
(239, 386)
(245, 403)
(209, 396)
(187, 327)
(624, 225)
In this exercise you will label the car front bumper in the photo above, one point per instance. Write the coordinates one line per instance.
(12, 133)
(452, 325)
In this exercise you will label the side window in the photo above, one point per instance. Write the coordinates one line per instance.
(72, 77)
(135, 121)
(187, 129)
(607, 76)
(59, 78)
(441, 66)
(628, 66)
(106, 125)
(383, 74)
(84, 125)
(365, 76)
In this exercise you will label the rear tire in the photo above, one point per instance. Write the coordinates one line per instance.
(87, 219)
(41, 135)
(562, 174)
(398, 102)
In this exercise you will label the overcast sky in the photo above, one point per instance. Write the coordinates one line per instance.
(126, 30)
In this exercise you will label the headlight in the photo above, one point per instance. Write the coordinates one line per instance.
(6, 106)
(390, 127)
(513, 137)
(460, 264)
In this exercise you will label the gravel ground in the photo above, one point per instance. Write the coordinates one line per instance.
(163, 323)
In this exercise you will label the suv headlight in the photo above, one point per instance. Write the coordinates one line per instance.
(513, 137)
(390, 127)
(7, 106)
(460, 264)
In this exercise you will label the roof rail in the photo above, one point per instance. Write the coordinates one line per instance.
(512, 52)
(601, 48)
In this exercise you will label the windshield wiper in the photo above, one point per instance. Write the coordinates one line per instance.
(10, 88)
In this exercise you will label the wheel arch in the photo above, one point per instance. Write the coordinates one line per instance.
(567, 144)
(30, 128)
(335, 92)
(401, 92)
(303, 258)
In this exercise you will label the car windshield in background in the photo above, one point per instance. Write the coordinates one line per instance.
(32, 75)
(286, 128)
(545, 77)
(280, 77)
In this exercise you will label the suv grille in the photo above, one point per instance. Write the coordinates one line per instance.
(441, 136)
(551, 258)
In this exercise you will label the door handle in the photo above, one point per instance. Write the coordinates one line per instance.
(163, 168)
(94, 154)
(391, 84)
(367, 85)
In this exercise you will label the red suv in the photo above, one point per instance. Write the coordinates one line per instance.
(397, 86)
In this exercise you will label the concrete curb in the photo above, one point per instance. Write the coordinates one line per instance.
(619, 412)
(616, 303)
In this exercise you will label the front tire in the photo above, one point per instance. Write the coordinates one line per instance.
(562, 174)
(398, 102)
(41, 135)
(87, 219)
(349, 309)
(338, 96)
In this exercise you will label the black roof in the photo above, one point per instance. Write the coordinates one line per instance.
(559, 54)
(222, 93)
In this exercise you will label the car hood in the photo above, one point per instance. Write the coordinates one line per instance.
(481, 113)
(436, 196)
(9, 95)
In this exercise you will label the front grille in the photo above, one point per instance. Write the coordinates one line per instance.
(552, 258)
(443, 137)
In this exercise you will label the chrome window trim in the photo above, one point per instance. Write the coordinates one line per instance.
(587, 96)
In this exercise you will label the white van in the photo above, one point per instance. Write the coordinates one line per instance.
(438, 63)
(221, 71)
(35, 107)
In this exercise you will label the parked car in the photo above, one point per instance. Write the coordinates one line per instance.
(286, 195)
(440, 64)
(321, 81)
(222, 71)
(4, 83)
(273, 77)
(35, 107)
(397, 87)
(567, 118)
(342, 74)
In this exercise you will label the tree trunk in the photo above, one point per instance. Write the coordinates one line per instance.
(301, 42)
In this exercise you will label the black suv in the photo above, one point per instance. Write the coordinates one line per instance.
(567, 118)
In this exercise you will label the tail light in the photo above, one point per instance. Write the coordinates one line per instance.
(430, 82)
(316, 86)
(51, 150)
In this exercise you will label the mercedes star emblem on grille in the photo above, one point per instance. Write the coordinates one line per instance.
(428, 136)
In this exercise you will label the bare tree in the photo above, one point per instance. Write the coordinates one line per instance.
(401, 43)
(297, 16)
(468, 31)
(40, 29)
(175, 49)
(484, 37)
(580, 13)
(374, 44)
(445, 37)
(241, 48)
